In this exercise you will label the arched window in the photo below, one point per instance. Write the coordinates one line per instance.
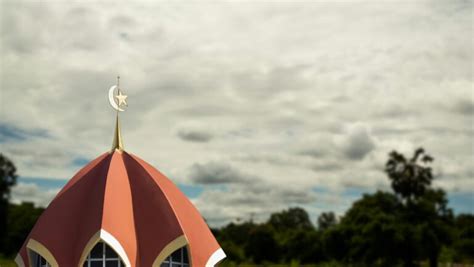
(179, 258)
(38, 261)
(102, 255)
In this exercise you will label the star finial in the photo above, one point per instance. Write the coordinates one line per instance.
(122, 99)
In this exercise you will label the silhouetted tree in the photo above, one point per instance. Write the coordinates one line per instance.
(336, 242)
(410, 177)
(375, 233)
(233, 238)
(424, 208)
(326, 220)
(8, 178)
(238, 233)
(21, 219)
(293, 218)
(464, 238)
(305, 246)
(262, 245)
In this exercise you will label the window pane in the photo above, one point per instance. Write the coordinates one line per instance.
(176, 265)
(165, 264)
(176, 256)
(110, 253)
(37, 260)
(102, 255)
(185, 255)
(97, 251)
(112, 263)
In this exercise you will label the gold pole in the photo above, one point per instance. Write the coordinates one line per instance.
(117, 143)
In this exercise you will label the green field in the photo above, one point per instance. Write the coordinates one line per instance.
(7, 263)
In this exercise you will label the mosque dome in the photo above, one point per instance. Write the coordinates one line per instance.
(124, 204)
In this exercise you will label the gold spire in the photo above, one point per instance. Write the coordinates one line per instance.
(117, 143)
(121, 99)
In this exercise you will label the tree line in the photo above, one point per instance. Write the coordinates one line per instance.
(404, 227)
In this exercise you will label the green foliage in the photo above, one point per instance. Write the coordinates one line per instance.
(326, 220)
(293, 218)
(410, 178)
(261, 245)
(463, 244)
(304, 247)
(8, 178)
(411, 225)
(21, 220)
(370, 231)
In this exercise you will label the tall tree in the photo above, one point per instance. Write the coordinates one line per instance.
(423, 207)
(8, 178)
(410, 177)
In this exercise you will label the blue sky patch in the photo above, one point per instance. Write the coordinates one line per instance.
(80, 161)
(11, 133)
(461, 202)
(191, 191)
(45, 183)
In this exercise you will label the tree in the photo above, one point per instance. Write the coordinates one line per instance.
(422, 206)
(262, 245)
(8, 178)
(464, 241)
(372, 231)
(326, 220)
(234, 238)
(410, 178)
(304, 246)
(293, 218)
(21, 219)
(407, 226)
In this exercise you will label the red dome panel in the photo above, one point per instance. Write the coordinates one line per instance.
(129, 204)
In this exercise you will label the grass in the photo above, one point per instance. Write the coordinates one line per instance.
(7, 263)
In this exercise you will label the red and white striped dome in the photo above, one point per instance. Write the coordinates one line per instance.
(123, 201)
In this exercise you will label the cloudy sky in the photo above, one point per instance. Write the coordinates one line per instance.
(251, 107)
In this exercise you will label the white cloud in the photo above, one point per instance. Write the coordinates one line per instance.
(29, 192)
(216, 173)
(358, 142)
(273, 90)
(195, 136)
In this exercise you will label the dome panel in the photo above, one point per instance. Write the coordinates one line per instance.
(125, 197)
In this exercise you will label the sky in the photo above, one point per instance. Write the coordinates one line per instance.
(250, 107)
